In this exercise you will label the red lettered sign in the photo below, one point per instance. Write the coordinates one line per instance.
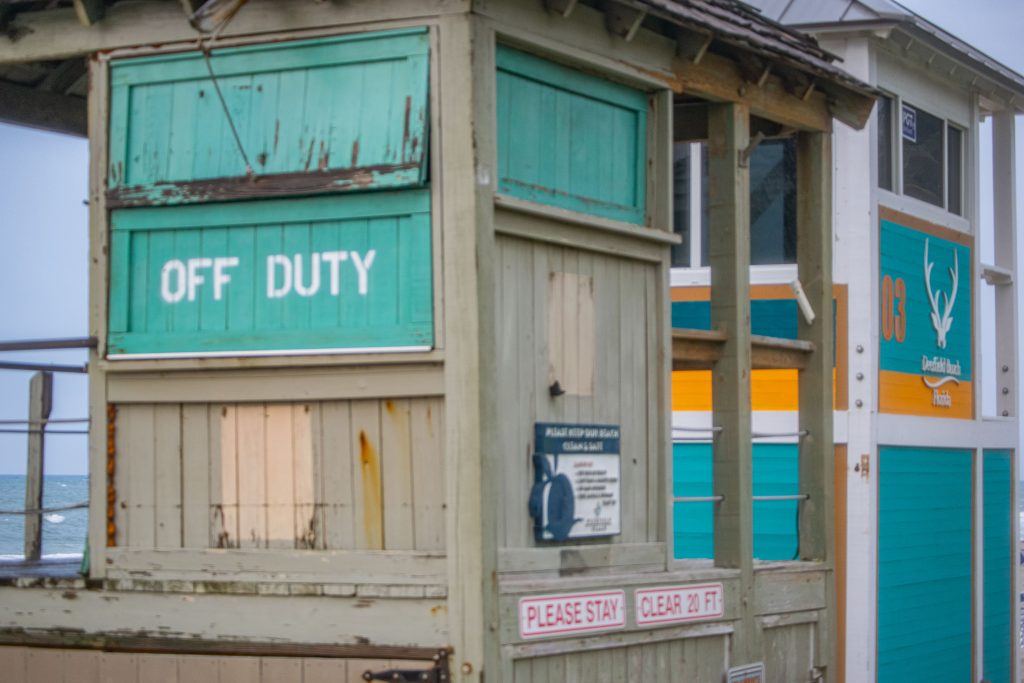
(571, 613)
(676, 604)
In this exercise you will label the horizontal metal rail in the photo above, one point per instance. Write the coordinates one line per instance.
(43, 344)
(45, 511)
(48, 421)
(43, 367)
(718, 499)
(48, 432)
(698, 429)
(779, 435)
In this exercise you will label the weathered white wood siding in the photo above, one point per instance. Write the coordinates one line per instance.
(588, 321)
(326, 475)
(52, 665)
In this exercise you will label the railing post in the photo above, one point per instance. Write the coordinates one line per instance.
(40, 401)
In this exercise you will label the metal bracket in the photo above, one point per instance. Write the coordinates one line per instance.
(439, 673)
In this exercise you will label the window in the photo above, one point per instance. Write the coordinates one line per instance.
(930, 167)
(923, 153)
(772, 203)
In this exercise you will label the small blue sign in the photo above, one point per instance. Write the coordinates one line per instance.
(909, 119)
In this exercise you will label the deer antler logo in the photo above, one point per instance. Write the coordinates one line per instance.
(942, 322)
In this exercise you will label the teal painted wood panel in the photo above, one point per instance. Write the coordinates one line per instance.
(902, 256)
(998, 555)
(355, 106)
(570, 139)
(325, 273)
(776, 473)
(924, 565)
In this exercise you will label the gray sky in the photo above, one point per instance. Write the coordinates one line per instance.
(43, 267)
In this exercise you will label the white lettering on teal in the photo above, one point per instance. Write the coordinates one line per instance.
(363, 264)
(178, 293)
(220, 278)
(273, 262)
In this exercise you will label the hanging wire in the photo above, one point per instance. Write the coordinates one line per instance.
(205, 49)
(779, 435)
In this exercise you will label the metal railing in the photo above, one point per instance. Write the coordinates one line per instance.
(35, 428)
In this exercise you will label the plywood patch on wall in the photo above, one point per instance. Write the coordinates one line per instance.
(571, 333)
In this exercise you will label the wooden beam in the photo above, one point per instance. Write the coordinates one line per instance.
(562, 7)
(692, 45)
(90, 11)
(701, 349)
(732, 469)
(622, 20)
(57, 33)
(45, 110)
(816, 460)
(690, 124)
(720, 79)
(40, 401)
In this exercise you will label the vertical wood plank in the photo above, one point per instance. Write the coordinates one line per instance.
(158, 668)
(196, 461)
(224, 478)
(198, 669)
(82, 666)
(280, 476)
(366, 468)
(167, 470)
(427, 424)
(239, 669)
(40, 402)
(633, 402)
(44, 664)
(510, 337)
(324, 670)
(732, 468)
(817, 450)
(118, 667)
(280, 670)
(306, 520)
(396, 469)
(334, 442)
(252, 482)
(586, 330)
(138, 426)
(12, 663)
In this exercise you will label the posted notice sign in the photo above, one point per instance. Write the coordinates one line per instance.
(677, 604)
(748, 673)
(576, 490)
(571, 613)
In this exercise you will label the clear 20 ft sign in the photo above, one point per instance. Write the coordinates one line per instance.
(317, 275)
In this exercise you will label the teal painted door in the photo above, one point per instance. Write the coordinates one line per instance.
(570, 139)
(924, 565)
(316, 274)
(349, 110)
(999, 603)
(776, 473)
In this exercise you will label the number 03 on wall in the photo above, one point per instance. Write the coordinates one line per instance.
(894, 309)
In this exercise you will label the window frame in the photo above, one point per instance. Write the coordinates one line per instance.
(898, 102)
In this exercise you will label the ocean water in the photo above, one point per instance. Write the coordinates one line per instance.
(63, 532)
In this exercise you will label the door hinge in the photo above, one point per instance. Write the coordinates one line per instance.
(438, 673)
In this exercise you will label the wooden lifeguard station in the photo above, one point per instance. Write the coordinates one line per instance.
(384, 345)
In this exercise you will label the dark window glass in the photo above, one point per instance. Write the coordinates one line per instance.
(923, 173)
(773, 203)
(955, 161)
(681, 203)
(885, 143)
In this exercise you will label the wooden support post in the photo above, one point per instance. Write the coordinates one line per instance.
(817, 449)
(729, 234)
(90, 11)
(1004, 203)
(40, 400)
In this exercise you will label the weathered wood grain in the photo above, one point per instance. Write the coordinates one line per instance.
(396, 474)
(167, 467)
(366, 475)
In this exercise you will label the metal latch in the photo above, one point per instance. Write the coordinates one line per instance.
(439, 673)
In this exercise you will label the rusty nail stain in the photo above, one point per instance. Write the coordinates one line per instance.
(371, 491)
(390, 406)
(224, 411)
(261, 158)
(408, 110)
(355, 153)
(309, 154)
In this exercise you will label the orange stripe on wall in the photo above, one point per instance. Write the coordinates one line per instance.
(770, 390)
(905, 394)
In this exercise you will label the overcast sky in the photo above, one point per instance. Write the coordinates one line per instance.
(43, 266)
